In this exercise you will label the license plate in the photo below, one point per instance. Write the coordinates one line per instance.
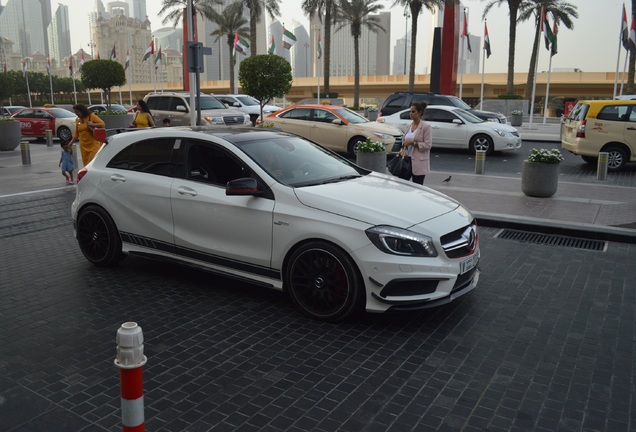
(468, 264)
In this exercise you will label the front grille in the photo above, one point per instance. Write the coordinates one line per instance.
(409, 287)
(460, 242)
(233, 120)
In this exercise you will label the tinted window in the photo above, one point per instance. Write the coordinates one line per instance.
(211, 164)
(175, 102)
(579, 112)
(439, 116)
(324, 116)
(152, 156)
(614, 113)
(297, 114)
(420, 98)
(159, 103)
(28, 113)
(396, 101)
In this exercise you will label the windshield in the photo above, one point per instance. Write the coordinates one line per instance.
(210, 103)
(296, 162)
(62, 113)
(248, 100)
(351, 116)
(468, 117)
(459, 103)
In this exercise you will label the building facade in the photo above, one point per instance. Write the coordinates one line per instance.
(21, 21)
(59, 36)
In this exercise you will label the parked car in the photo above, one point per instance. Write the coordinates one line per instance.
(595, 126)
(280, 211)
(457, 128)
(101, 108)
(334, 127)
(34, 122)
(7, 111)
(247, 104)
(403, 100)
(177, 107)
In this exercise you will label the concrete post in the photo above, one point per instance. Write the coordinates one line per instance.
(601, 168)
(130, 361)
(49, 138)
(480, 161)
(26, 153)
(74, 150)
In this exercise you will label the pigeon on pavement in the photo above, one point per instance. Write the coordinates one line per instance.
(447, 180)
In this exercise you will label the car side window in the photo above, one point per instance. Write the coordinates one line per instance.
(25, 114)
(611, 113)
(419, 98)
(397, 101)
(324, 116)
(297, 114)
(406, 115)
(440, 101)
(153, 156)
(211, 164)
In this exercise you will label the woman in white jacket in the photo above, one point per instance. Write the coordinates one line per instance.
(417, 142)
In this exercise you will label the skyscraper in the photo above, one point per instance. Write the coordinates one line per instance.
(59, 35)
(21, 21)
(138, 9)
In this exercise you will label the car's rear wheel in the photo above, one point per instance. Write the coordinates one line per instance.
(616, 158)
(351, 145)
(64, 133)
(481, 142)
(324, 282)
(98, 237)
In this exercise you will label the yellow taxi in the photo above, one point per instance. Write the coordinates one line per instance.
(595, 126)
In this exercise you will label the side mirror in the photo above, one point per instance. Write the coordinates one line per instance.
(242, 186)
(182, 108)
(236, 104)
(337, 122)
(457, 121)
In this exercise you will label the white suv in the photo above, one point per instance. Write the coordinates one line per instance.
(247, 104)
(177, 106)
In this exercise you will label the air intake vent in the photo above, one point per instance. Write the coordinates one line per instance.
(552, 240)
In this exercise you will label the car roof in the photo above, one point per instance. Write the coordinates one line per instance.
(597, 104)
(328, 106)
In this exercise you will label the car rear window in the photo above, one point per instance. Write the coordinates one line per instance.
(151, 156)
(579, 112)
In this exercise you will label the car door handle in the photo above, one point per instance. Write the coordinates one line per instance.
(186, 191)
(118, 177)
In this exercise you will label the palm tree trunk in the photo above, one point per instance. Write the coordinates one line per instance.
(533, 61)
(328, 8)
(632, 60)
(252, 34)
(356, 71)
(230, 44)
(413, 46)
(512, 37)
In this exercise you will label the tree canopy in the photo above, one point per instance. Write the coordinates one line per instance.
(103, 74)
(265, 76)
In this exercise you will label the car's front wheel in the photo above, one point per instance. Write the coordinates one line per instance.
(98, 237)
(481, 142)
(64, 133)
(323, 282)
(616, 158)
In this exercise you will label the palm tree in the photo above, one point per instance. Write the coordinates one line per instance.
(632, 59)
(178, 13)
(356, 14)
(513, 6)
(416, 7)
(328, 8)
(562, 12)
(256, 12)
(230, 21)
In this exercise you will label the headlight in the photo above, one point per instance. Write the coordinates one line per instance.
(398, 241)
(215, 120)
(382, 135)
(502, 133)
(491, 119)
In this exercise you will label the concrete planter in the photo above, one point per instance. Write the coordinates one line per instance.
(10, 135)
(374, 161)
(539, 179)
(516, 119)
(372, 115)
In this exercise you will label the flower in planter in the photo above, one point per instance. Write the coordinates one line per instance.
(516, 112)
(553, 156)
(369, 146)
(372, 109)
(7, 119)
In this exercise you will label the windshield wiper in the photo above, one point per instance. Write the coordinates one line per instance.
(339, 179)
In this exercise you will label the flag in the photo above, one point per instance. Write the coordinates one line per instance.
(24, 68)
(319, 48)
(98, 57)
(288, 38)
(127, 60)
(545, 27)
(150, 50)
(632, 36)
(272, 46)
(158, 58)
(5, 68)
(553, 51)
(240, 45)
(82, 60)
(70, 64)
(486, 41)
(465, 33)
(624, 30)
(48, 66)
(113, 54)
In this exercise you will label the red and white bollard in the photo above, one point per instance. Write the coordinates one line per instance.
(130, 360)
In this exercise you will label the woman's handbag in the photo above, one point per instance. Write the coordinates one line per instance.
(133, 124)
(400, 166)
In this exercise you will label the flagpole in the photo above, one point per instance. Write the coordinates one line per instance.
(51, 85)
(483, 69)
(536, 68)
(26, 75)
(74, 90)
(623, 75)
(618, 55)
(463, 60)
(547, 88)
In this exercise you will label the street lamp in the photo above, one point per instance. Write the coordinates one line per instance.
(406, 33)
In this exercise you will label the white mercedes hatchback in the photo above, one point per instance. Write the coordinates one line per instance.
(280, 211)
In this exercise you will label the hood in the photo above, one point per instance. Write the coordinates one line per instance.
(378, 199)
(270, 108)
(486, 114)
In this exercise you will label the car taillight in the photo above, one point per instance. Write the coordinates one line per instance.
(81, 173)
(580, 132)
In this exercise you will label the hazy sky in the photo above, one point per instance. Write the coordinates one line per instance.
(591, 46)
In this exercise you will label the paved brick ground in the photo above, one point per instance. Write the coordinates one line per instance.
(546, 343)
